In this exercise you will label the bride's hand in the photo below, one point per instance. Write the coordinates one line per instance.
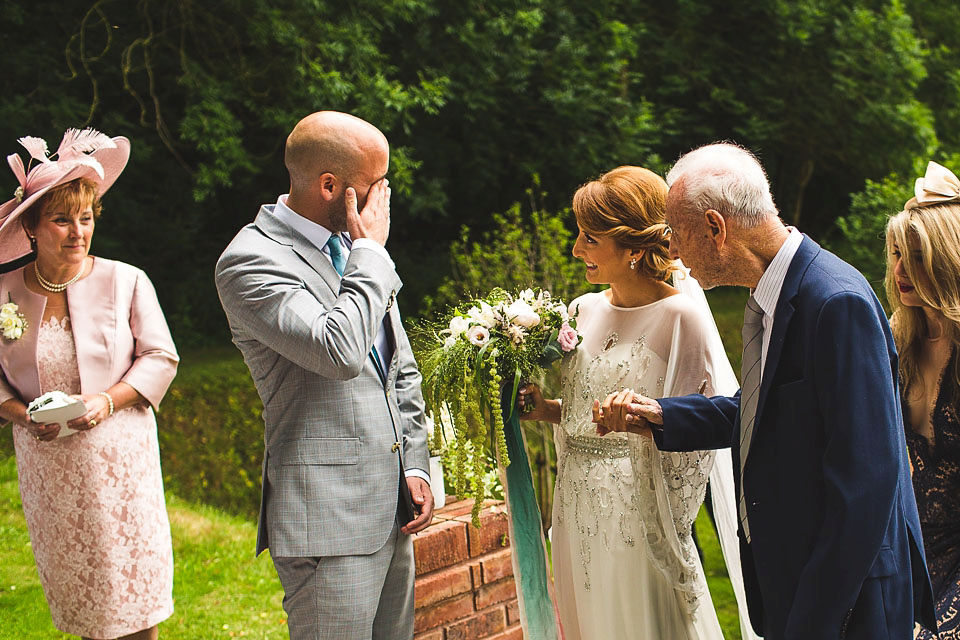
(530, 402)
(626, 411)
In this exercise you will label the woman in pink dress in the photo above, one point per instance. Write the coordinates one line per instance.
(91, 328)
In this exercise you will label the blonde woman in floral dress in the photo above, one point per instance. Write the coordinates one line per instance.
(625, 565)
(90, 327)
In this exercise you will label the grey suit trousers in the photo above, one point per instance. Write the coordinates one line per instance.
(367, 597)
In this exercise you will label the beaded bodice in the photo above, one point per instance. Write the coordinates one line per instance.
(617, 489)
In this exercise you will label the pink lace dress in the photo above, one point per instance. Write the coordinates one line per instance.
(95, 511)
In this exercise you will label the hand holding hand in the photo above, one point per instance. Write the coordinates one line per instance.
(423, 499)
(626, 411)
(98, 410)
(374, 221)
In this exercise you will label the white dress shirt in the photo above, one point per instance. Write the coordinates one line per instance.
(767, 293)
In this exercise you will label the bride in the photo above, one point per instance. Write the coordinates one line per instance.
(624, 561)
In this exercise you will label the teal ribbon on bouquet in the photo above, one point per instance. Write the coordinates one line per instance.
(538, 613)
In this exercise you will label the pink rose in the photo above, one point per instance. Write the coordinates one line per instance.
(568, 338)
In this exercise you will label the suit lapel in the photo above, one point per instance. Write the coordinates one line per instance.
(21, 354)
(308, 252)
(805, 254)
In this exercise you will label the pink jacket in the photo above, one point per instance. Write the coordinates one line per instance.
(118, 328)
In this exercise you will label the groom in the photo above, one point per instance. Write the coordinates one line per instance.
(309, 289)
(829, 533)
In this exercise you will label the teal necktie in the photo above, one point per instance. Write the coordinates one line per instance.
(336, 253)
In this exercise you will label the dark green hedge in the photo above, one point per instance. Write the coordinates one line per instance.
(211, 433)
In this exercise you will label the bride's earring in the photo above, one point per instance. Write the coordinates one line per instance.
(633, 263)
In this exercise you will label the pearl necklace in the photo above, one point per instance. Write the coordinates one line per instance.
(54, 287)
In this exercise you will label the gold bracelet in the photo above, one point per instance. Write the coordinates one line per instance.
(109, 401)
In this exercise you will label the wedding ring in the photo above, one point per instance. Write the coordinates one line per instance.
(93, 422)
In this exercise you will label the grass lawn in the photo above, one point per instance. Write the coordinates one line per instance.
(220, 589)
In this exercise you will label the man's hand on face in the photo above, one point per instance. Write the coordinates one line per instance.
(374, 221)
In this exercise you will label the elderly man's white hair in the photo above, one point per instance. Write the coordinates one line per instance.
(726, 178)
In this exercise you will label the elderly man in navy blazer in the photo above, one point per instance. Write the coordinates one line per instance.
(829, 533)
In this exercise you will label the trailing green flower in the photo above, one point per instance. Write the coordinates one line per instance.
(483, 352)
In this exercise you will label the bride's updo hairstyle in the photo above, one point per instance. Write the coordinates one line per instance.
(628, 205)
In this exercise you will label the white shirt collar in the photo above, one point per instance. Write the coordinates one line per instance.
(768, 288)
(317, 234)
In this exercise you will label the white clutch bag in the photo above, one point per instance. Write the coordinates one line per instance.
(56, 406)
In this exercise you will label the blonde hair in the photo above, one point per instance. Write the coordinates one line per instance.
(628, 205)
(70, 195)
(934, 231)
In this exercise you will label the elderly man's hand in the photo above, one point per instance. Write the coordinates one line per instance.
(626, 411)
(374, 221)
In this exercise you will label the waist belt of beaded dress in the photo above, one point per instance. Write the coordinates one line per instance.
(604, 447)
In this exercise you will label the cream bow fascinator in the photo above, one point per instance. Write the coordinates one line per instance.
(937, 186)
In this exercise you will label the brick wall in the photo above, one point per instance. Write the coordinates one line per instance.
(464, 588)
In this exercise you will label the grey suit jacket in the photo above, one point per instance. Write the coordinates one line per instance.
(331, 467)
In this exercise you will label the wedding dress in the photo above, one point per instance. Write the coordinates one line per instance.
(625, 565)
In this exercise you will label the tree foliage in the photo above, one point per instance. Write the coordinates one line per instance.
(522, 250)
(475, 96)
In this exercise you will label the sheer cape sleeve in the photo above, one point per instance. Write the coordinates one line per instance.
(675, 502)
(721, 381)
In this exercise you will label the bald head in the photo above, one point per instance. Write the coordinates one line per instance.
(330, 142)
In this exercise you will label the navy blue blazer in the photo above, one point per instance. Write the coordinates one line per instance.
(836, 549)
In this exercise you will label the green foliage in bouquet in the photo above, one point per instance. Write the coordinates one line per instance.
(482, 352)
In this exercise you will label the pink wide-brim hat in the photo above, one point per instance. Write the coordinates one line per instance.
(82, 154)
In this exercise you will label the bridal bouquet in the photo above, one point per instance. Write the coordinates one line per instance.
(480, 354)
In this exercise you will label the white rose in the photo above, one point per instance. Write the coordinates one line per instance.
(478, 335)
(8, 310)
(522, 314)
(458, 324)
(8, 323)
(488, 315)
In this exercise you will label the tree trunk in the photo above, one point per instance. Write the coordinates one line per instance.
(792, 178)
